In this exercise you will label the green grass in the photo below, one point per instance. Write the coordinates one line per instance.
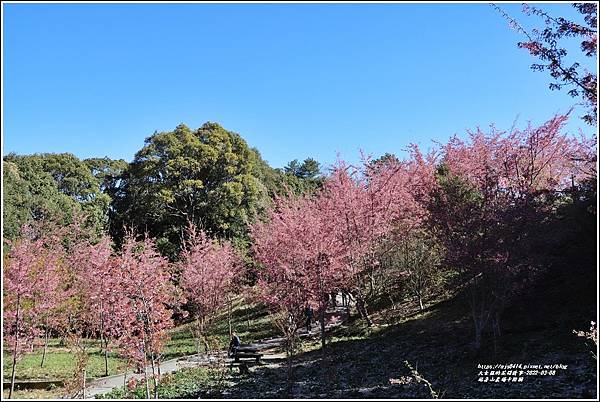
(437, 341)
(60, 364)
(187, 383)
(250, 322)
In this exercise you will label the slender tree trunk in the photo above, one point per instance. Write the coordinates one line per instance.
(201, 328)
(420, 302)
(477, 321)
(154, 377)
(125, 380)
(324, 362)
(393, 302)
(147, 384)
(196, 337)
(229, 316)
(477, 336)
(105, 356)
(103, 340)
(290, 367)
(83, 384)
(146, 380)
(497, 327)
(46, 335)
(322, 321)
(15, 349)
(348, 300)
(146, 371)
(248, 318)
(496, 330)
(360, 306)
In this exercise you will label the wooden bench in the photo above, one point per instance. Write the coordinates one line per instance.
(247, 352)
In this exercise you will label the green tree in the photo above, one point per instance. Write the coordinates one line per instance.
(17, 200)
(293, 168)
(309, 169)
(50, 187)
(208, 176)
(107, 171)
(301, 178)
(419, 256)
(385, 159)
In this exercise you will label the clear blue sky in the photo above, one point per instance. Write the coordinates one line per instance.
(295, 80)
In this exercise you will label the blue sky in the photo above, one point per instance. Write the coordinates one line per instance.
(295, 80)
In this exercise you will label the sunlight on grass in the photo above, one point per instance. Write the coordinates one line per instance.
(249, 321)
(60, 365)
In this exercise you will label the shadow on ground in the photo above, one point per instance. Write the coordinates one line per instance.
(438, 344)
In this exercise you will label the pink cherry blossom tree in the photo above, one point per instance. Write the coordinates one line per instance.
(30, 286)
(145, 282)
(370, 203)
(301, 259)
(49, 295)
(208, 269)
(100, 293)
(490, 188)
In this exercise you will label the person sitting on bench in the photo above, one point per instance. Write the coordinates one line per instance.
(234, 344)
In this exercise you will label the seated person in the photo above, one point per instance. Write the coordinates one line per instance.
(234, 344)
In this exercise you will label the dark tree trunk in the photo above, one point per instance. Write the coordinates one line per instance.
(83, 374)
(322, 322)
(203, 336)
(146, 373)
(125, 380)
(290, 367)
(103, 341)
(15, 350)
(46, 336)
(229, 317)
(106, 357)
(154, 377)
(360, 306)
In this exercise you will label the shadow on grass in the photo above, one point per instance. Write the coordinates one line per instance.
(360, 362)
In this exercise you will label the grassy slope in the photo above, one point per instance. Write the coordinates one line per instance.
(250, 321)
(537, 330)
(361, 361)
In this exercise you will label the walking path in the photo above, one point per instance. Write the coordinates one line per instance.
(106, 384)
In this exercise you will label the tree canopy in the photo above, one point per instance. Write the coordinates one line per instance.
(209, 177)
(50, 187)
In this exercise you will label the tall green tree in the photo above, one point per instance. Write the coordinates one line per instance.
(308, 169)
(17, 200)
(107, 171)
(209, 177)
(50, 187)
(301, 178)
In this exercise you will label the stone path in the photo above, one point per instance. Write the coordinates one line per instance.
(106, 384)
